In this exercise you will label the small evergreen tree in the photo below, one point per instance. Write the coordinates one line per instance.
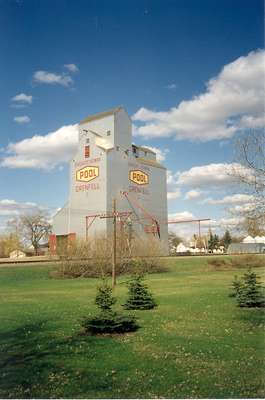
(216, 241)
(251, 291)
(236, 287)
(104, 298)
(226, 239)
(213, 241)
(108, 321)
(139, 297)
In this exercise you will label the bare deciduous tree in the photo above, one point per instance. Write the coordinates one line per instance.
(250, 154)
(8, 243)
(34, 228)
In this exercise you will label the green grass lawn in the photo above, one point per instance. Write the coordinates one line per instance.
(197, 343)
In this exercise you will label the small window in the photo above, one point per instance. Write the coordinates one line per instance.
(87, 140)
(87, 151)
(108, 133)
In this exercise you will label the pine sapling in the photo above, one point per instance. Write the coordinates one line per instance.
(104, 298)
(251, 291)
(108, 321)
(139, 296)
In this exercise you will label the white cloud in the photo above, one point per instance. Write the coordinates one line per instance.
(233, 199)
(181, 216)
(254, 122)
(43, 152)
(160, 153)
(173, 192)
(23, 119)
(233, 100)
(171, 178)
(52, 79)
(186, 229)
(193, 194)
(71, 68)
(171, 86)
(9, 208)
(215, 175)
(241, 210)
(22, 98)
(229, 223)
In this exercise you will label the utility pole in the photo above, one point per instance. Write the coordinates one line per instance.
(114, 214)
(114, 251)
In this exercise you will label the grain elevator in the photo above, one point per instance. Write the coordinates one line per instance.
(108, 166)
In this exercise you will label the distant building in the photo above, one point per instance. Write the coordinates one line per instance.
(17, 254)
(181, 248)
(257, 239)
(248, 245)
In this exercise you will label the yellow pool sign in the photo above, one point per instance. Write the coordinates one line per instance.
(139, 177)
(86, 174)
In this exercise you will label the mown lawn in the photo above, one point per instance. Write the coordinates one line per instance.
(197, 343)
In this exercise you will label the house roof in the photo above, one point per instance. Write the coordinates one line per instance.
(100, 115)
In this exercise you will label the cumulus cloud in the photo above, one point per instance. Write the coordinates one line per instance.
(229, 223)
(51, 78)
(12, 208)
(173, 191)
(22, 98)
(216, 175)
(243, 209)
(232, 101)
(23, 119)
(71, 68)
(160, 153)
(43, 152)
(173, 194)
(193, 194)
(233, 199)
(171, 86)
(181, 216)
(186, 229)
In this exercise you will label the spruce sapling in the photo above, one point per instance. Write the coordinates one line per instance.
(139, 296)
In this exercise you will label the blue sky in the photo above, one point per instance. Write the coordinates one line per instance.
(74, 58)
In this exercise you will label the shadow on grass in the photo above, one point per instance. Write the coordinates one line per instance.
(253, 316)
(35, 364)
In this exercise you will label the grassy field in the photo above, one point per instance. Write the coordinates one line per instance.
(197, 343)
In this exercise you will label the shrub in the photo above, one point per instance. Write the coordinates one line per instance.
(237, 262)
(108, 321)
(248, 291)
(141, 265)
(93, 258)
(248, 261)
(85, 259)
(139, 297)
(217, 263)
(9, 243)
